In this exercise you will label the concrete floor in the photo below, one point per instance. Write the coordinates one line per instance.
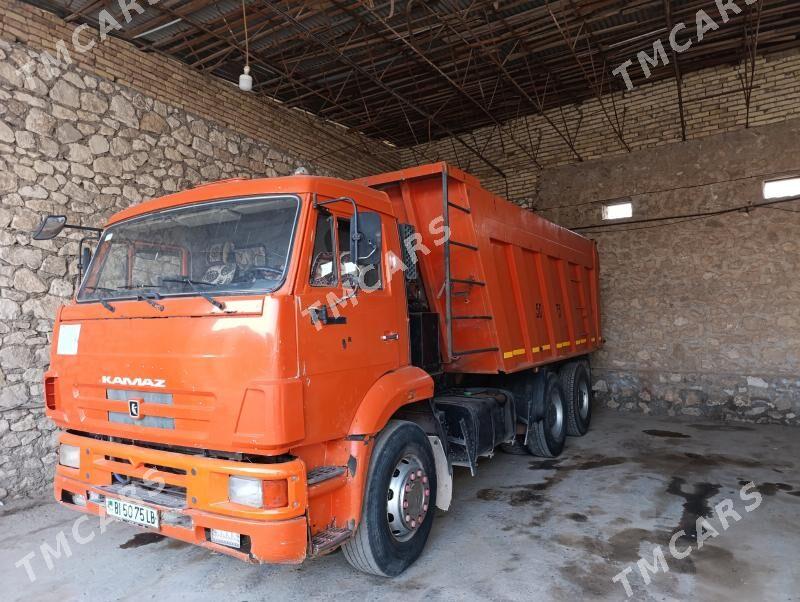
(523, 529)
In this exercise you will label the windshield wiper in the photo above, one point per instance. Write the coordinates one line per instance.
(193, 283)
(148, 297)
(102, 300)
(106, 304)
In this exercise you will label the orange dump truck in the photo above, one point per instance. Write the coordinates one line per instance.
(275, 368)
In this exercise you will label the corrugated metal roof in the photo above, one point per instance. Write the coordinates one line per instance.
(430, 68)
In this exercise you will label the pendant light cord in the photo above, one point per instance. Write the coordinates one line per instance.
(246, 41)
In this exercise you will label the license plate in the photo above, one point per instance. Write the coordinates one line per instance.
(132, 513)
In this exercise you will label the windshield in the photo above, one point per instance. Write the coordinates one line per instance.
(206, 249)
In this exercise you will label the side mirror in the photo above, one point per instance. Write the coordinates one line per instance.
(50, 227)
(365, 239)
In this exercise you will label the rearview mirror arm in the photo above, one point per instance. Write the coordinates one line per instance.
(85, 229)
(81, 267)
(342, 199)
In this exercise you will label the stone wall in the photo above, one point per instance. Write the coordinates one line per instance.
(330, 147)
(75, 143)
(701, 316)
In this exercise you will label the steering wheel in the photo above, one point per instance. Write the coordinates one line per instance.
(253, 274)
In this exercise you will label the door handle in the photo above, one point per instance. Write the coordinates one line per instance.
(390, 336)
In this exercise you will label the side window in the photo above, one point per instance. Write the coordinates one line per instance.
(323, 268)
(371, 277)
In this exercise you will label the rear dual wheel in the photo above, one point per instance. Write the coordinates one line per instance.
(547, 435)
(399, 502)
(576, 383)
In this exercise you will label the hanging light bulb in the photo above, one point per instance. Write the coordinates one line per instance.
(245, 79)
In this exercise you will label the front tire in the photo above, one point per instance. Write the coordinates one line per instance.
(399, 502)
(547, 436)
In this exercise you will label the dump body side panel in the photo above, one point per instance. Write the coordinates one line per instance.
(522, 290)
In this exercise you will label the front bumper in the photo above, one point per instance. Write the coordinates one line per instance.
(194, 496)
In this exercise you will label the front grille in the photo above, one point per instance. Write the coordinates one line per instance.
(169, 469)
(170, 496)
(158, 467)
(121, 460)
(158, 422)
(189, 451)
(146, 396)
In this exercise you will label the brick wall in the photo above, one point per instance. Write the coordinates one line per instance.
(648, 117)
(91, 138)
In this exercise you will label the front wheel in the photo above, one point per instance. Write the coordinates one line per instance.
(399, 502)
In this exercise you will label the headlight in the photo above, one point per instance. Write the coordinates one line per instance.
(69, 455)
(246, 491)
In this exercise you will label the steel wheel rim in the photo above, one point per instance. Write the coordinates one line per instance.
(556, 415)
(408, 497)
(583, 400)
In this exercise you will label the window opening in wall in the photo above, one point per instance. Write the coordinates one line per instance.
(618, 211)
(779, 189)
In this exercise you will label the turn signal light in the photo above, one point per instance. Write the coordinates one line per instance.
(276, 494)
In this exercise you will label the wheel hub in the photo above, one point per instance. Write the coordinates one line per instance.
(556, 418)
(583, 400)
(408, 497)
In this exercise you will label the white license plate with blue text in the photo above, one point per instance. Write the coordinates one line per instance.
(137, 514)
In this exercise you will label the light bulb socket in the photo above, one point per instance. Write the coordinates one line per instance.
(246, 80)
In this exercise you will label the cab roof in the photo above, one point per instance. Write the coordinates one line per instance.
(226, 189)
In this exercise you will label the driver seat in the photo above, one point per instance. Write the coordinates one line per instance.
(221, 272)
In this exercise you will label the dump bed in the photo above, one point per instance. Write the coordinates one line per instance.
(512, 290)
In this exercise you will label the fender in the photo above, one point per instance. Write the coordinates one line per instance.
(389, 393)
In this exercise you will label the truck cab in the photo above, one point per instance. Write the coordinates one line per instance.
(211, 348)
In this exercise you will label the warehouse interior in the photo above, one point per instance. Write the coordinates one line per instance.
(551, 104)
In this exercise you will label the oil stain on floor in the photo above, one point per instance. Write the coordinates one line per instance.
(770, 489)
(703, 476)
(534, 493)
(142, 539)
(696, 504)
(666, 434)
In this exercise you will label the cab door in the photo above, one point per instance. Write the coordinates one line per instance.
(347, 341)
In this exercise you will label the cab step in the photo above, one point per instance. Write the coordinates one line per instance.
(328, 539)
(323, 473)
